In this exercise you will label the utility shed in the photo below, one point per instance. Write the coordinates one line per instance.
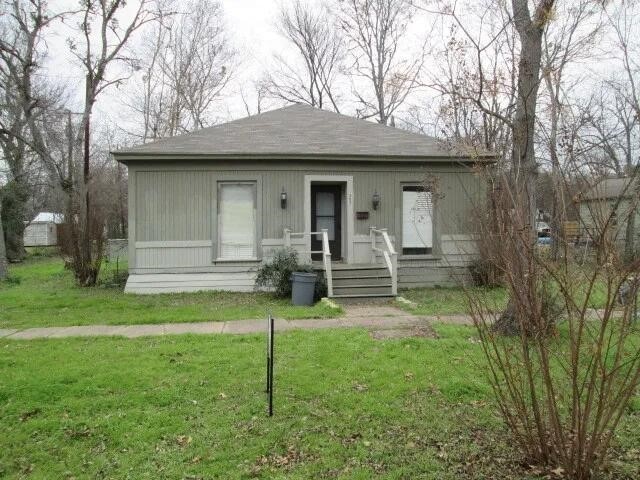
(373, 206)
(42, 231)
(612, 202)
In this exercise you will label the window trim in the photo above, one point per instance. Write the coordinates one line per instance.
(433, 252)
(217, 258)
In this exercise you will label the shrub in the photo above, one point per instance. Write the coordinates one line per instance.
(11, 280)
(42, 252)
(276, 275)
(563, 375)
(484, 273)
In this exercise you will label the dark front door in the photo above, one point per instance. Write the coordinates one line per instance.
(326, 212)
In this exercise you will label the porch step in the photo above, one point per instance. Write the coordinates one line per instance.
(354, 280)
(359, 290)
(360, 271)
(370, 295)
(360, 281)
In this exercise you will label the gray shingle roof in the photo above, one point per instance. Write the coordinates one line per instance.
(297, 131)
(609, 188)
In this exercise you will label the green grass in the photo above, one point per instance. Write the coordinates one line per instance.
(41, 293)
(451, 300)
(346, 406)
(454, 300)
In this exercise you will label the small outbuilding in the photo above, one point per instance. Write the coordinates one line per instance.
(373, 206)
(611, 201)
(42, 231)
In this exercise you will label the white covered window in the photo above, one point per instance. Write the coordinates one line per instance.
(417, 220)
(237, 220)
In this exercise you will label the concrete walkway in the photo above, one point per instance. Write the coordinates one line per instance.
(378, 317)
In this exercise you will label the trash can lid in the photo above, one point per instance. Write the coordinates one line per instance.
(303, 276)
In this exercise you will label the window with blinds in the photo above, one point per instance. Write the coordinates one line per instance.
(417, 220)
(237, 221)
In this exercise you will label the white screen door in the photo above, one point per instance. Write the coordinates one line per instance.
(237, 221)
(417, 223)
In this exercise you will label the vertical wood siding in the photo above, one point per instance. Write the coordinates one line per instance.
(173, 206)
(177, 201)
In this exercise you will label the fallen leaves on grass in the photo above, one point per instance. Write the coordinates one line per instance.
(80, 431)
(360, 387)
(276, 461)
(183, 440)
(27, 415)
(351, 439)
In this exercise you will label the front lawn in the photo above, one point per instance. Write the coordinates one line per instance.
(454, 300)
(451, 300)
(41, 293)
(346, 406)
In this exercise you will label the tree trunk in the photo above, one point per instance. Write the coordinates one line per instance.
(4, 270)
(630, 235)
(14, 200)
(525, 169)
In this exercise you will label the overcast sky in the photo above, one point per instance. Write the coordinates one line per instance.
(251, 25)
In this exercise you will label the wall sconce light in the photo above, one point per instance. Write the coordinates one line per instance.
(375, 200)
(283, 199)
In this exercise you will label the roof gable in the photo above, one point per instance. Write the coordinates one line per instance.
(297, 131)
(610, 188)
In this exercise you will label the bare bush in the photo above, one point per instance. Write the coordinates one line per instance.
(564, 378)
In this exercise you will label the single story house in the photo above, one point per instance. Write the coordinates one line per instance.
(613, 200)
(42, 231)
(374, 206)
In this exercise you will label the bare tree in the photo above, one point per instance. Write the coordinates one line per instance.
(475, 78)
(570, 39)
(375, 30)
(103, 41)
(623, 19)
(259, 94)
(187, 64)
(22, 24)
(4, 271)
(321, 51)
(562, 396)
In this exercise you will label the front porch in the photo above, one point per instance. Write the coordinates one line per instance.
(379, 278)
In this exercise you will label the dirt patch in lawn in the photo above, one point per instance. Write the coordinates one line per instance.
(422, 331)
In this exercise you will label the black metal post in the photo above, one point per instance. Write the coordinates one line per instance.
(271, 338)
(268, 354)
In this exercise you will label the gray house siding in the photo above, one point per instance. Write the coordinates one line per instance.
(595, 213)
(173, 216)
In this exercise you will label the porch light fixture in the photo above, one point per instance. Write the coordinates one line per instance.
(375, 200)
(283, 199)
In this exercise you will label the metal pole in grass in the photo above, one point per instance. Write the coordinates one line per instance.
(268, 355)
(270, 338)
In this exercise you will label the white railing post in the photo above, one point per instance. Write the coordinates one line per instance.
(372, 233)
(389, 255)
(287, 237)
(394, 273)
(326, 257)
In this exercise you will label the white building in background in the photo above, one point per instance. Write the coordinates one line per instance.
(43, 230)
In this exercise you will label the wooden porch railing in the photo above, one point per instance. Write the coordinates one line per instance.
(388, 252)
(326, 253)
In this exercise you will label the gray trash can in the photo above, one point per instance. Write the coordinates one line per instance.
(303, 286)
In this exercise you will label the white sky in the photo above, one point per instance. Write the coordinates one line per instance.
(251, 25)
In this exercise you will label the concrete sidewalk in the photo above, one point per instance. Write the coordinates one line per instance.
(356, 316)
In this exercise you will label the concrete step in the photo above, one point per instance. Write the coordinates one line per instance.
(358, 290)
(365, 298)
(371, 271)
(360, 280)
